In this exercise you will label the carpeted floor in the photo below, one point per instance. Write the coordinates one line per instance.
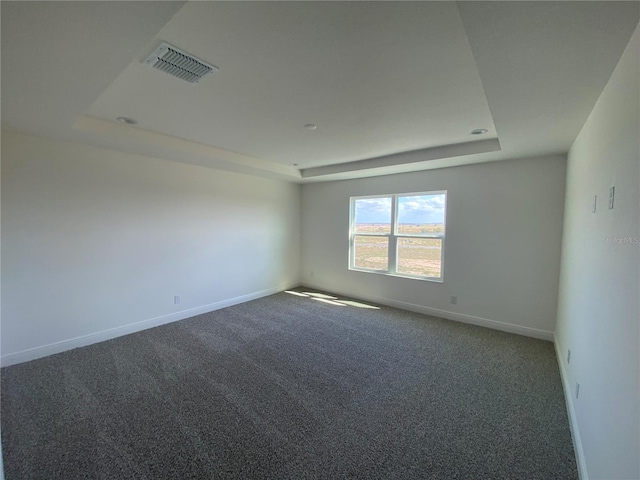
(287, 387)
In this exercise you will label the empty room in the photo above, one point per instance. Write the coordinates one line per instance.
(320, 240)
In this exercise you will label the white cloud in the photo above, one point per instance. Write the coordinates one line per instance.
(411, 209)
(421, 209)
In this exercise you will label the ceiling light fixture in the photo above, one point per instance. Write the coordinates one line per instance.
(127, 120)
(310, 126)
(479, 131)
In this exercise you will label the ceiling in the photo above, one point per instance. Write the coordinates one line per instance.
(391, 86)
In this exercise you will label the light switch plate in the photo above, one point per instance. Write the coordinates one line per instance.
(612, 193)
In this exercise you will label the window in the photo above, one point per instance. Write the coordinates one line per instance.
(400, 234)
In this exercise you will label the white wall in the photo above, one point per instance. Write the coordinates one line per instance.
(502, 252)
(598, 310)
(95, 240)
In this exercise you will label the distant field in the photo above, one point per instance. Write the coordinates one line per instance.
(416, 256)
(411, 229)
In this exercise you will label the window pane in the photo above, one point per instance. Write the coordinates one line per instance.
(421, 214)
(371, 252)
(373, 215)
(420, 256)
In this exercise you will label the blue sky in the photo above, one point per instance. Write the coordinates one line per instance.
(417, 209)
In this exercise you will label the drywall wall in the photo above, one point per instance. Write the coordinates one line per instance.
(1, 458)
(598, 309)
(96, 243)
(502, 251)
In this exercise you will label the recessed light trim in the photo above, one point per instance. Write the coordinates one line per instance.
(310, 126)
(479, 131)
(127, 120)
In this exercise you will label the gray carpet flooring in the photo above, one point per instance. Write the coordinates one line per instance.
(287, 387)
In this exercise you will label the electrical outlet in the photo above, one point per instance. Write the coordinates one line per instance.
(568, 356)
(176, 299)
(577, 390)
(454, 299)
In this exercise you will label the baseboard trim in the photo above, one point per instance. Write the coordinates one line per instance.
(84, 340)
(573, 420)
(458, 317)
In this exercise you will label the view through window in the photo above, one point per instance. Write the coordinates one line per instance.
(400, 234)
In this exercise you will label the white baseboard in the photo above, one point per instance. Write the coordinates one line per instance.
(458, 317)
(84, 340)
(573, 420)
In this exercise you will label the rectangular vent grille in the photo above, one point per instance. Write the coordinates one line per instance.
(174, 61)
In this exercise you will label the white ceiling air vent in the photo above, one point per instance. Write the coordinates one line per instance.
(178, 63)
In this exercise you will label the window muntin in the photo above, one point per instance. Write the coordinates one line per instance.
(399, 234)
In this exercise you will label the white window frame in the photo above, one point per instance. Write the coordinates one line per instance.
(394, 236)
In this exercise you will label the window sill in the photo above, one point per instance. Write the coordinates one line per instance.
(397, 275)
